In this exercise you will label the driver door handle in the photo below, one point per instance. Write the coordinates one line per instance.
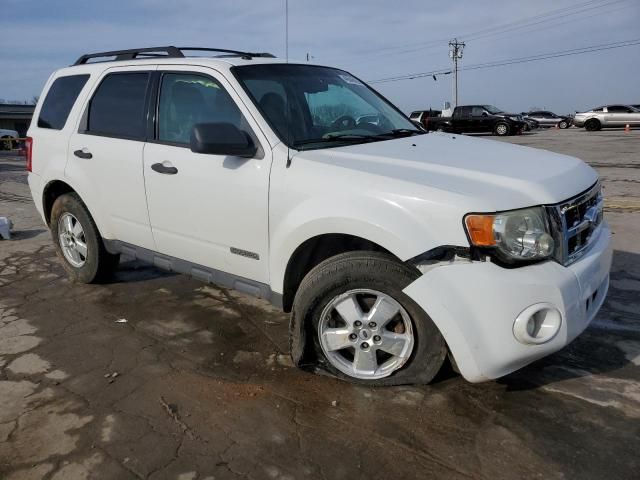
(165, 168)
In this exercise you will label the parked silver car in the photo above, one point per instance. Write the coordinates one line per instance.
(548, 119)
(608, 116)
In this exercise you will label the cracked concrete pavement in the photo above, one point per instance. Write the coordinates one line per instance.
(197, 383)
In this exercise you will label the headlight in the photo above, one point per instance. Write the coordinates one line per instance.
(515, 235)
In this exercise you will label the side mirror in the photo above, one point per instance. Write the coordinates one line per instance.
(222, 139)
(485, 114)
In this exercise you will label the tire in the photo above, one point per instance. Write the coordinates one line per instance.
(502, 129)
(96, 264)
(365, 276)
(592, 125)
(563, 124)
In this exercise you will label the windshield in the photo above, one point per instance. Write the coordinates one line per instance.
(492, 109)
(318, 107)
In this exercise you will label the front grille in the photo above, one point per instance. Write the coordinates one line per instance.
(574, 223)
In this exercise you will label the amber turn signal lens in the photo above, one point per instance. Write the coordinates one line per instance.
(480, 228)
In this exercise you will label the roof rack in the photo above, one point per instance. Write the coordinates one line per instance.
(165, 52)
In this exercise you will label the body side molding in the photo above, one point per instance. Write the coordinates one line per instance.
(200, 272)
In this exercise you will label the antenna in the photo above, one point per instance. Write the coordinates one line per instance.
(286, 92)
(286, 29)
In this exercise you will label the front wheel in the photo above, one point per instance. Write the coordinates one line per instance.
(563, 124)
(360, 326)
(78, 242)
(501, 129)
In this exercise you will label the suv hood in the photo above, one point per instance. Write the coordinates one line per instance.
(495, 175)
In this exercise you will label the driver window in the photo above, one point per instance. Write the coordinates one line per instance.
(477, 111)
(339, 108)
(187, 99)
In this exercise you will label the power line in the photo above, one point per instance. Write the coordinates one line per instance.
(512, 61)
(539, 21)
(501, 29)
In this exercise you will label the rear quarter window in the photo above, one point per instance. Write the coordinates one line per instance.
(59, 100)
(117, 108)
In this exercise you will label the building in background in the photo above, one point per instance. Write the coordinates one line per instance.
(16, 117)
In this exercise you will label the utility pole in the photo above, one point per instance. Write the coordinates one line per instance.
(455, 53)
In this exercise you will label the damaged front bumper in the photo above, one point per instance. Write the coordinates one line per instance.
(489, 315)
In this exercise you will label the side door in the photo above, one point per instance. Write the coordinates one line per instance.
(211, 210)
(462, 119)
(622, 115)
(541, 117)
(105, 154)
(614, 116)
(551, 119)
(480, 120)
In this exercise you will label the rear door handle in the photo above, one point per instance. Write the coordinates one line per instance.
(83, 153)
(165, 168)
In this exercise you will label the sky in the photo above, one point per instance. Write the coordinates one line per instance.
(372, 39)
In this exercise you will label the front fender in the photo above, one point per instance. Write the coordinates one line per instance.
(382, 222)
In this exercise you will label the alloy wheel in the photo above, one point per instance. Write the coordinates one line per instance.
(366, 334)
(72, 240)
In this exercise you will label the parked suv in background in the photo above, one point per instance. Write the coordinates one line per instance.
(548, 119)
(607, 116)
(391, 247)
(422, 117)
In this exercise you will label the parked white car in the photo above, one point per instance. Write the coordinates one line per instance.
(7, 139)
(392, 248)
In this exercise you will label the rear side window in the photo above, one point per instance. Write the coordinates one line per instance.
(59, 101)
(117, 108)
(618, 109)
(463, 111)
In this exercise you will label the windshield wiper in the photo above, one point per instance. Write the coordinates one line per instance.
(355, 137)
(338, 138)
(401, 132)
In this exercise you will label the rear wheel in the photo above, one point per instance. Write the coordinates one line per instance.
(78, 242)
(501, 129)
(592, 125)
(360, 326)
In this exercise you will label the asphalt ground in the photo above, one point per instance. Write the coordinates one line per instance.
(155, 375)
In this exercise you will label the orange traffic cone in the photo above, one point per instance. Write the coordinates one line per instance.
(626, 128)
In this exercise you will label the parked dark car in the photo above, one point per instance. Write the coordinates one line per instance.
(422, 117)
(479, 119)
(548, 119)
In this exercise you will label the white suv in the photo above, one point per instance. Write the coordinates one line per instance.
(392, 248)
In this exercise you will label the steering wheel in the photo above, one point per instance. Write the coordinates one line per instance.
(345, 122)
